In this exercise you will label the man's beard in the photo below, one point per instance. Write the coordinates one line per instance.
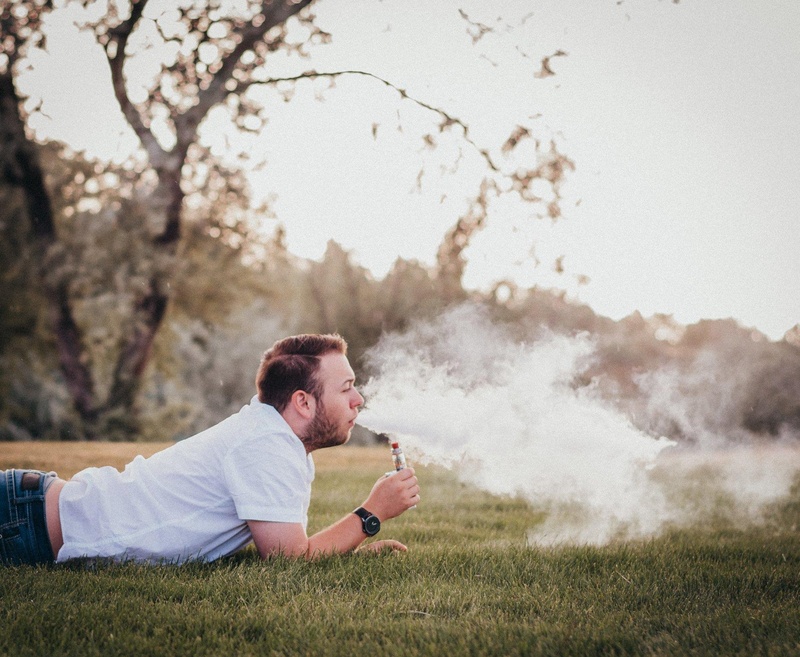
(322, 432)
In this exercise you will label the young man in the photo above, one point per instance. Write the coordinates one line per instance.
(245, 479)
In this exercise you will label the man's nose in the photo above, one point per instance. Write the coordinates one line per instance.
(358, 400)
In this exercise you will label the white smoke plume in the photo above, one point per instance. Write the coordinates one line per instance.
(461, 393)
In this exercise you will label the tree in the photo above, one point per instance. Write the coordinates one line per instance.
(242, 44)
(23, 173)
(210, 53)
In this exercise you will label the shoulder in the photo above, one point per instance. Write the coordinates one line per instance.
(256, 422)
(262, 434)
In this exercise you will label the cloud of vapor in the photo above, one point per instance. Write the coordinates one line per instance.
(715, 397)
(507, 417)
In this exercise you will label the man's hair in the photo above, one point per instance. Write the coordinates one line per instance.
(291, 364)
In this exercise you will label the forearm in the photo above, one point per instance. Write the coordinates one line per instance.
(390, 497)
(342, 536)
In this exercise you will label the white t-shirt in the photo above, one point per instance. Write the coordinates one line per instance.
(191, 500)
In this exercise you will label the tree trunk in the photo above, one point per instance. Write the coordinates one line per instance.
(22, 168)
(135, 352)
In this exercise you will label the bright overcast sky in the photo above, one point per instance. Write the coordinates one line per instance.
(683, 122)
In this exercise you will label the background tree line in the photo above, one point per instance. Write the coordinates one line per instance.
(233, 293)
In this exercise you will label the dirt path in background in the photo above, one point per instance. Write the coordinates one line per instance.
(67, 458)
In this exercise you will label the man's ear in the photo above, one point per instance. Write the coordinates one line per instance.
(304, 403)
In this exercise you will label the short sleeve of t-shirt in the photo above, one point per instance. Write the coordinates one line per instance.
(268, 479)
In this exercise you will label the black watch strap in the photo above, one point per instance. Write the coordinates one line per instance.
(370, 523)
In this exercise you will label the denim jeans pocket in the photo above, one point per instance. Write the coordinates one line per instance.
(12, 543)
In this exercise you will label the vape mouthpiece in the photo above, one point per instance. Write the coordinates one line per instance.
(398, 458)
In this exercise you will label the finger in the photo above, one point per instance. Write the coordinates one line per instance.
(387, 545)
(408, 484)
(397, 546)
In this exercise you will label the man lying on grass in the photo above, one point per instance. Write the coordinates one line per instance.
(246, 479)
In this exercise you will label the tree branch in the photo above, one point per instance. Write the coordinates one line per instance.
(448, 119)
(119, 37)
(215, 93)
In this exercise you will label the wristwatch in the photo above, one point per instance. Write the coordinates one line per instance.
(369, 523)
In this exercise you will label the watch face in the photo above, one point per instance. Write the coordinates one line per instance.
(372, 525)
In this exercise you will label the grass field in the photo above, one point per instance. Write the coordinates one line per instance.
(468, 586)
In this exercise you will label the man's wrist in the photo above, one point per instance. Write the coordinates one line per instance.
(370, 523)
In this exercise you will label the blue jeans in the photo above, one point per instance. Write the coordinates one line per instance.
(23, 525)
